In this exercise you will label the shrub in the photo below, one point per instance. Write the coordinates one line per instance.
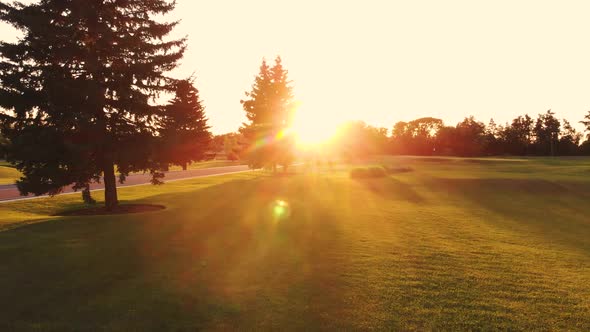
(87, 197)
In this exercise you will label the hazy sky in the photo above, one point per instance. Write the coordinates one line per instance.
(385, 61)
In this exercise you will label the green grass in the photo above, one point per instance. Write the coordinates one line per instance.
(8, 174)
(460, 244)
(209, 164)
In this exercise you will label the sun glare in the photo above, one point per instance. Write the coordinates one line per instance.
(310, 129)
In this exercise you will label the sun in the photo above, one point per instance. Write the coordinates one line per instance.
(310, 129)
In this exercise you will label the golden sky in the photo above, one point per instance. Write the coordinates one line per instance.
(385, 61)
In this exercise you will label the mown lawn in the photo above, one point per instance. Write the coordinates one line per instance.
(209, 164)
(456, 244)
(8, 174)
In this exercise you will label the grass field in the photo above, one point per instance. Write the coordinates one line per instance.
(456, 244)
(209, 164)
(8, 174)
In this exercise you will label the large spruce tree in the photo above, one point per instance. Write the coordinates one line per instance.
(79, 90)
(185, 135)
(269, 111)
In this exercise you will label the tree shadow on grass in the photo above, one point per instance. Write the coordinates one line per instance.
(252, 257)
(391, 188)
(109, 272)
(556, 211)
(218, 257)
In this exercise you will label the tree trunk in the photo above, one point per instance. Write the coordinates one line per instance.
(184, 166)
(110, 186)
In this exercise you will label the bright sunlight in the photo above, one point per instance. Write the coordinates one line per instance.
(311, 130)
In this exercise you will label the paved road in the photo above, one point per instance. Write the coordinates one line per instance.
(9, 192)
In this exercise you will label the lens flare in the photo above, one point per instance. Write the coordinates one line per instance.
(280, 210)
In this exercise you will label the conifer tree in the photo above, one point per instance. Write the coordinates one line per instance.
(269, 112)
(79, 90)
(185, 133)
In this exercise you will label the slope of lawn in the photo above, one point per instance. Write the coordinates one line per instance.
(8, 174)
(456, 244)
(209, 164)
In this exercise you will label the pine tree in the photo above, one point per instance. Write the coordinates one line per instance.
(282, 109)
(185, 134)
(268, 109)
(80, 88)
(257, 112)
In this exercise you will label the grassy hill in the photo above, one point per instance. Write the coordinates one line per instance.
(455, 244)
(8, 174)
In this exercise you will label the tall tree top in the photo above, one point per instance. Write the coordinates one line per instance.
(270, 101)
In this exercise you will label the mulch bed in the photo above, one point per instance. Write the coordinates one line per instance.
(121, 209)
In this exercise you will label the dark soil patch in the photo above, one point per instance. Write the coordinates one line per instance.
(122, 209)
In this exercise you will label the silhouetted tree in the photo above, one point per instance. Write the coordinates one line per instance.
(446, 140)
(569, 140)
(546, 132)
(216, 144)
(79, 88)
(470, 137)
(269, 112)
(401, 138)
(416, 137)
(185, 135)
(585, 147)
(378, 138)
(357, 140)
(523, 136)
(492, 139)
(467, 138)
(517, 137)
(424, 131)
(231, 146)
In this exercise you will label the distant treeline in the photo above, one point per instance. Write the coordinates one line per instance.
(544, 135)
